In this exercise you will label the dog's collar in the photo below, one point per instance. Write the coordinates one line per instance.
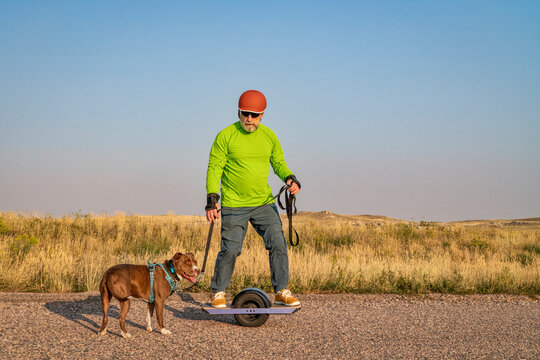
(171, 269)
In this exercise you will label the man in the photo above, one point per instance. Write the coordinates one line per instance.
(240, 159)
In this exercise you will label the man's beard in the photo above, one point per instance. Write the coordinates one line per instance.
(249, 128)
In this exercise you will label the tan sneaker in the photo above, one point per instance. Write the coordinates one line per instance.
(284, 297)
(218, 300)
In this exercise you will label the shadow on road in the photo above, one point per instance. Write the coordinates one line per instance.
(195, 312)
(78, 311)
(82, 312)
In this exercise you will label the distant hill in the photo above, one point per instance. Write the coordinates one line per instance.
(528, 222)
(328, 218)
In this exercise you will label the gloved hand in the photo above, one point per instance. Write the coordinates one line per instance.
(212, 207)
(294, 184)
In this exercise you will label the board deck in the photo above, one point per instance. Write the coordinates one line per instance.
(274, 310)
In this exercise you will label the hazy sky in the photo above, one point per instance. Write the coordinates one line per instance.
(421, 110)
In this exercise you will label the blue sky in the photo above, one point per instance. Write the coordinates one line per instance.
(416, 110)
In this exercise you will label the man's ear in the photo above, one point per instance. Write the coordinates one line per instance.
(239, 118)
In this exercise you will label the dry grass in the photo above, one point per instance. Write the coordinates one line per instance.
(336, 254)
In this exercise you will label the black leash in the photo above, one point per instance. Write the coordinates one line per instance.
(203, 269)
(290, 203)
(207, 247)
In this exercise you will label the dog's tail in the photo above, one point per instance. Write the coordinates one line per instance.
(104, 289)
(105, 301)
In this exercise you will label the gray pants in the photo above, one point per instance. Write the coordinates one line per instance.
(234, 223)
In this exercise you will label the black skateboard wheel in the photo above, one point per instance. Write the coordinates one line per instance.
(249, 298)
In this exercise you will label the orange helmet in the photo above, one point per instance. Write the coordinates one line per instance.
(252, 100)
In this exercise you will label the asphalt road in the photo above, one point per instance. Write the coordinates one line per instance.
(62, 326)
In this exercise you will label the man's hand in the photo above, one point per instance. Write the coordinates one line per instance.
(213, 214)
(294, 189)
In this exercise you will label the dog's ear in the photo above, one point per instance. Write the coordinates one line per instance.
(190, 254)
(177, 256)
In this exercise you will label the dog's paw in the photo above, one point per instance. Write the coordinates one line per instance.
(126, 335)
(149, 329)
(102, 332)
(165, 331)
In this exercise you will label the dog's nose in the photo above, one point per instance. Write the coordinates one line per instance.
(197, 271)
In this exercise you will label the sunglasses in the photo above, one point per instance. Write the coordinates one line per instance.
(247, 113)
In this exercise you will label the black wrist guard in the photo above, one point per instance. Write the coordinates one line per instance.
(211, 201)
(294, 179)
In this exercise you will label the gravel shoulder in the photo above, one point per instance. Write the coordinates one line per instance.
(329, 326)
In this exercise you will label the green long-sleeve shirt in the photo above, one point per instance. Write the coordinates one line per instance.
(241, 161)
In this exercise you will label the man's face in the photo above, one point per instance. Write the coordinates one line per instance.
(249, 123)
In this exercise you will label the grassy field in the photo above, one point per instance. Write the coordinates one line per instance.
(337, 253)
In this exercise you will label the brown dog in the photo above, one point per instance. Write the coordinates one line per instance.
(125, 280)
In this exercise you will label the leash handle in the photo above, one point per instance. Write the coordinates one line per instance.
(290, 204)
